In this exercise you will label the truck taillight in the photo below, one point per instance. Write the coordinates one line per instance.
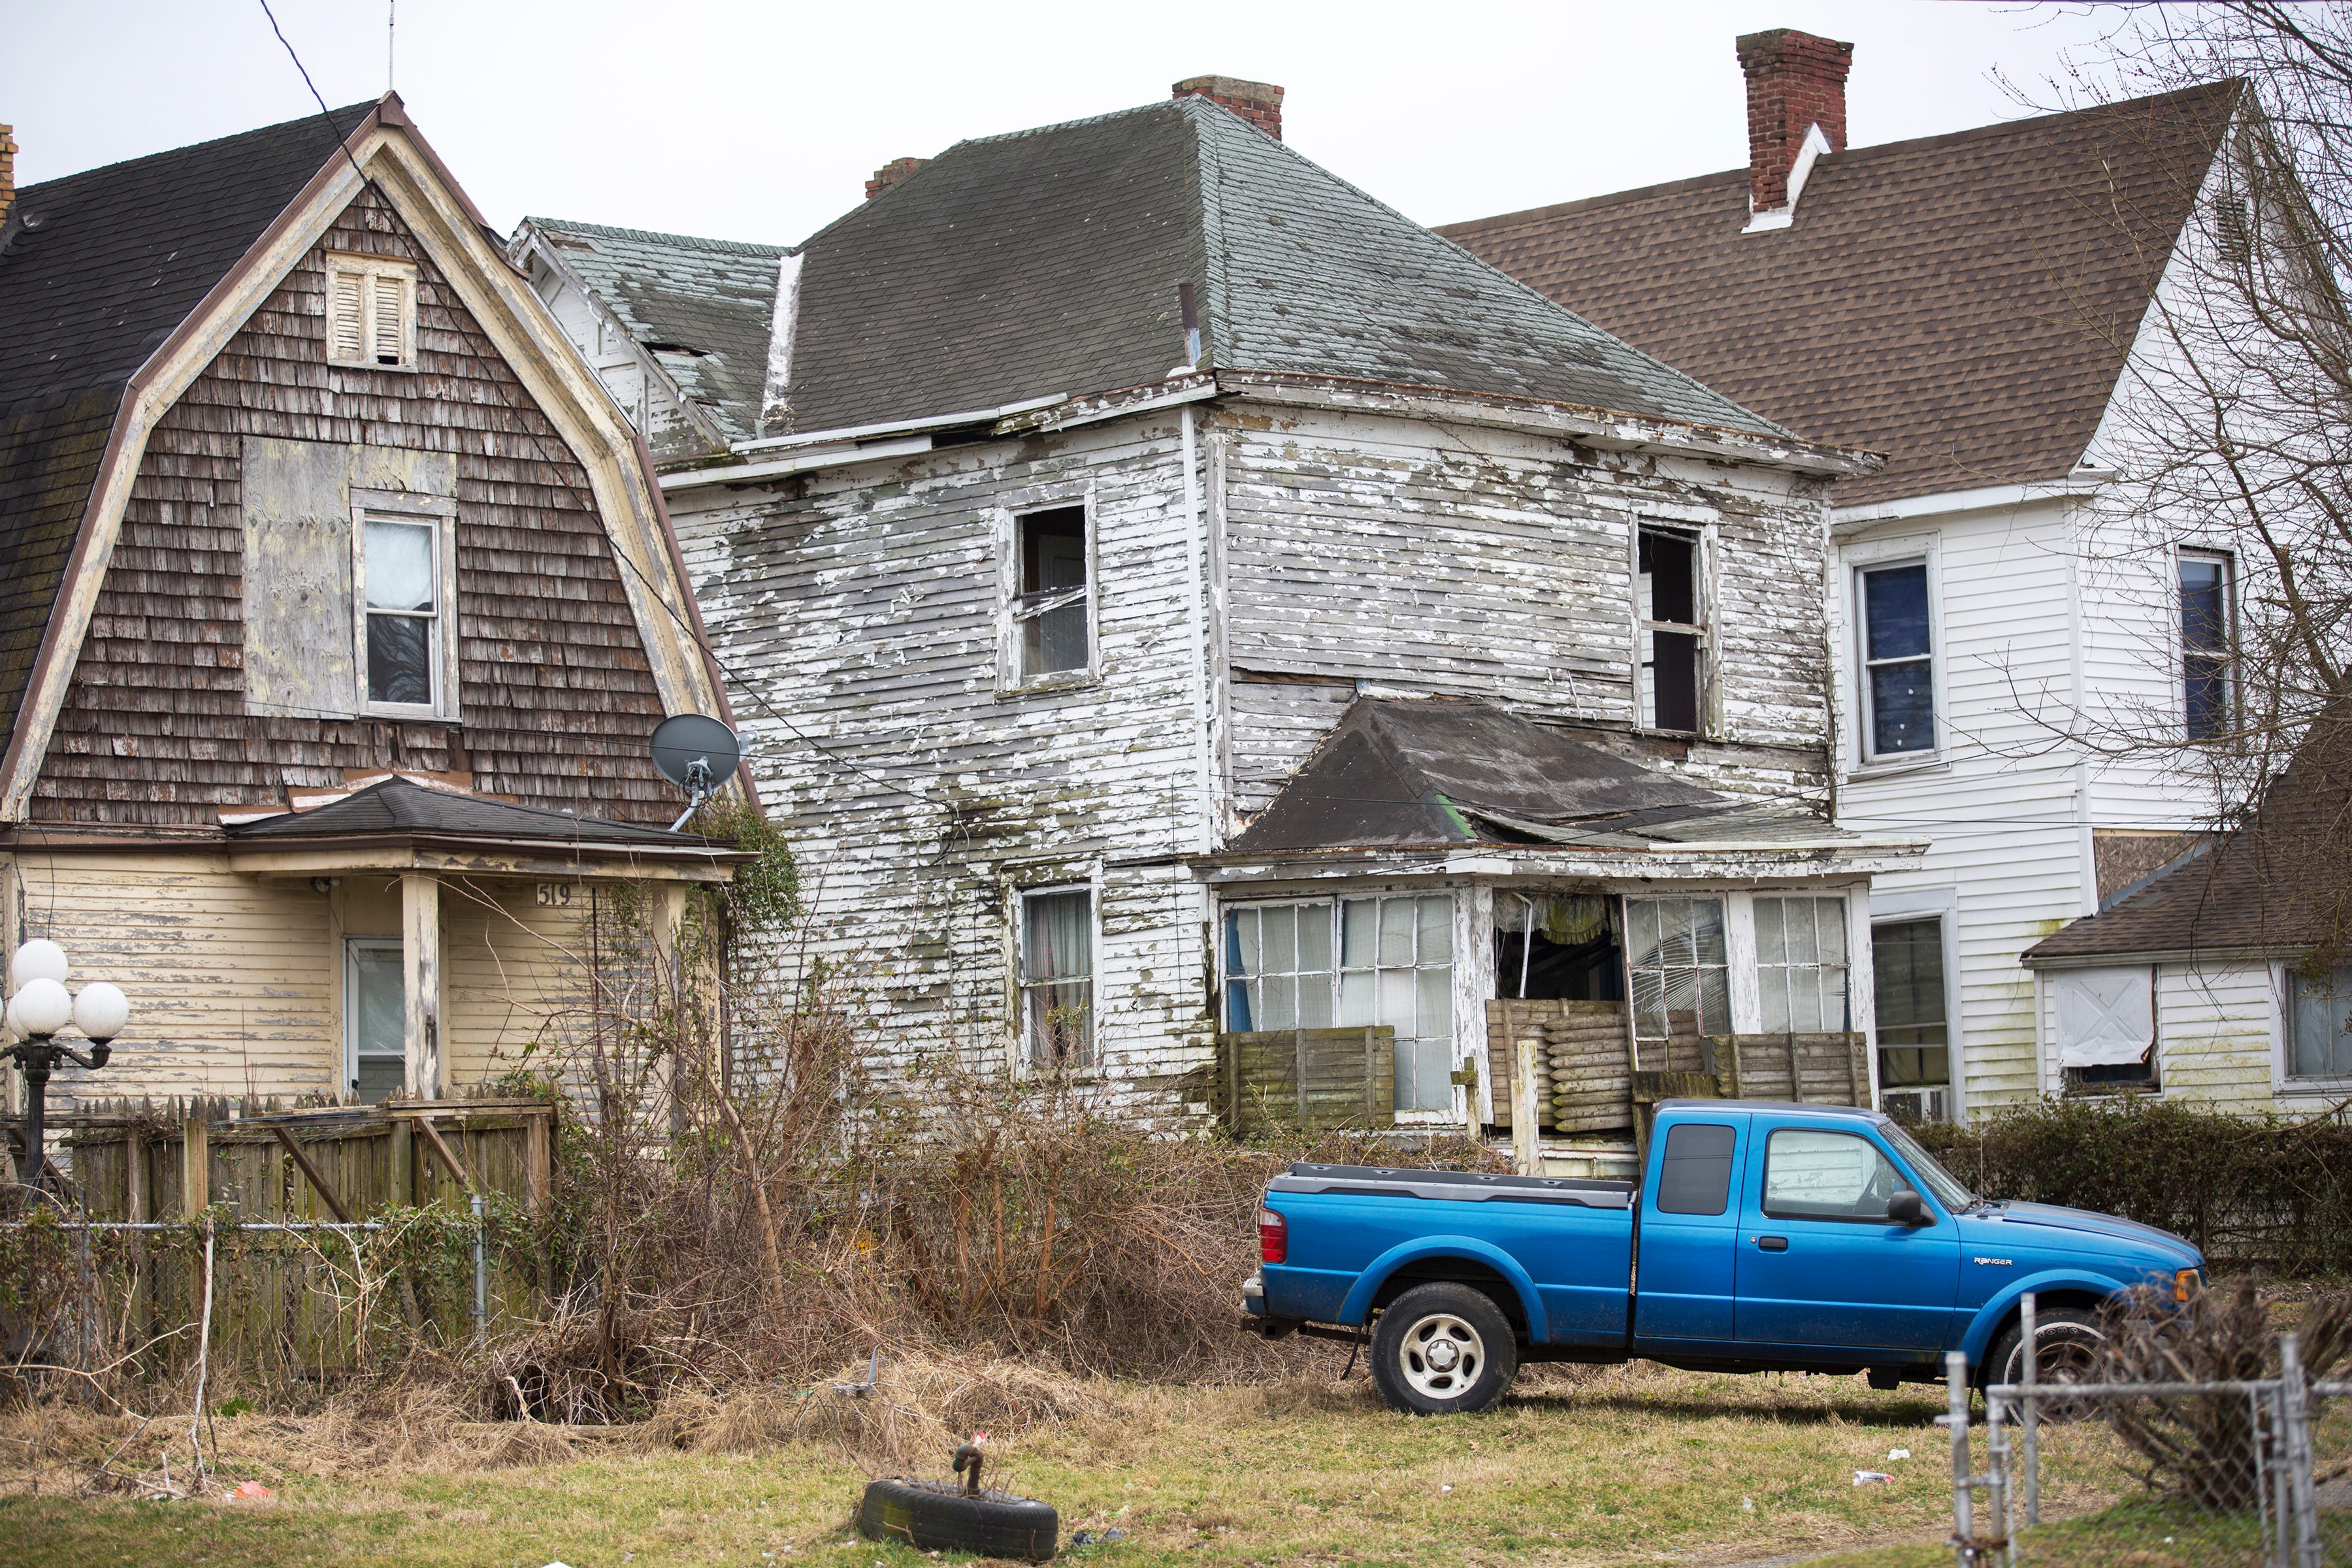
(1273, 1236)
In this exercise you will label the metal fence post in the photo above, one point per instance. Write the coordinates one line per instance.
(2029, 1413)
(481, 1277)
(1996, 1488)
(1964, 1524)
(2295, 1413)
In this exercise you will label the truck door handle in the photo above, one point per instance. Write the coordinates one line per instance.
(1773, 1243)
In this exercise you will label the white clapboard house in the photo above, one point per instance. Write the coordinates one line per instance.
(1978, 307)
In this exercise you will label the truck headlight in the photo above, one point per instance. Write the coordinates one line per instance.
(2185, 1283)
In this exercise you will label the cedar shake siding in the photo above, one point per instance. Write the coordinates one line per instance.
(556, 694)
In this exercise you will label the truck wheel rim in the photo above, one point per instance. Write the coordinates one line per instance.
(1442, 1356)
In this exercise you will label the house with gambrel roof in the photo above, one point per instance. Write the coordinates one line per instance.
(338, 605)
(1125, 490)
(1978, 307)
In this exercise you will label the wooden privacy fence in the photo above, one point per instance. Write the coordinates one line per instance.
(1309, 1080)
(1593, 1077)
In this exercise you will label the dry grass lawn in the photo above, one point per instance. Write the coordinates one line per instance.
(1627, 1465)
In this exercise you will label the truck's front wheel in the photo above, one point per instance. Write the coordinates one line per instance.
(1443, 1349)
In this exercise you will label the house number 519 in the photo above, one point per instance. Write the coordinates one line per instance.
(554, 895)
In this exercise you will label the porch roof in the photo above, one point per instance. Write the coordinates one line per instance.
(1468, 781)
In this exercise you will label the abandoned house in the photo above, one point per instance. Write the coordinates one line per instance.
(338, 606)
(1978, 307)
(1180, 603)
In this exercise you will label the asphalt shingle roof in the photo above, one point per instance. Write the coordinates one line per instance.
(1962, 303)
(703, 305)
(96, 270)
(1046, 261)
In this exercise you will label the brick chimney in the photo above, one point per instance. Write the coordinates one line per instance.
(1795, 81)
(1258, 102)
(8, 170)
(890, 174)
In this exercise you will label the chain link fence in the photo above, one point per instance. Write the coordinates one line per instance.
(2254, 1473)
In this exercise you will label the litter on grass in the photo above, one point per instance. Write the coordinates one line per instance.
(1898, 1453)
(252, 1491)
(1870, 1477)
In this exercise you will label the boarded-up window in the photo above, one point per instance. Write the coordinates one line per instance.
(371, 313)
(1680, 971)
(2106, 1028)
(1057, 936)
(1669, 601)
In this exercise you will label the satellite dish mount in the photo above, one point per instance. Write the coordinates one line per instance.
(696, 753)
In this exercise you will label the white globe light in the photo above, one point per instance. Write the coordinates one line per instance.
(102, 1010)
(39, 959)
(42, 1007)
(14, 1029)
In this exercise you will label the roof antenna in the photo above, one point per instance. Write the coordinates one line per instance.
(389, 22)
(697, 755)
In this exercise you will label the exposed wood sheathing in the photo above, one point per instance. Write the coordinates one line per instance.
(557, 693)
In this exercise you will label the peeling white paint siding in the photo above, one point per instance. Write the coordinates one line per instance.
(865, 612)
(858, 608)
(1427, 557)
(2214, 1024)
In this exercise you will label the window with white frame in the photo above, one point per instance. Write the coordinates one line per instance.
(371, 313)
(375, 1061)
(1052, 602)
(1057, 977)
(1669, 594)
(2207, 636)
(1678, 967)
(2319, 1025)
(401, 573)
(1352, 962)
(1800, 965)
(1898, 661)
(1906, 968)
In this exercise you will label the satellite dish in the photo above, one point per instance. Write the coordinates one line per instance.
(698, 754)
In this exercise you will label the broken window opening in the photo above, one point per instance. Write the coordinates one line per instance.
(1678, 967)
(1672, 638)
(2206, 636)
(1057, 977)
(1050, 614)
(1557, 948)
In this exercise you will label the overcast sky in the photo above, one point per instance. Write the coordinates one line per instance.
(760, 120)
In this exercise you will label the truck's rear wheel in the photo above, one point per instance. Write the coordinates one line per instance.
(1441, 1350)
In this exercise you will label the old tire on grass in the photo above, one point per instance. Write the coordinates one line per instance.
(937, 1516)
(1443, 1350)
(2069, 1343)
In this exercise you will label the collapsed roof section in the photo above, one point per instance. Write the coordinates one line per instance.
(1441, 774)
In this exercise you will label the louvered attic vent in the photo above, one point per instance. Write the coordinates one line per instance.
(371, 313)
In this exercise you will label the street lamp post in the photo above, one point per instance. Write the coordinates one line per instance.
(40, 1007)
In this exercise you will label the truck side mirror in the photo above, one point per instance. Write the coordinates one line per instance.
(1906, 1208)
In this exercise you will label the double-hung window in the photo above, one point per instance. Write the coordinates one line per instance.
(1668, 590)
(1053, 599)
(403, 576)
(1057, 977)
(1800, 965)
(1898, 661)
(1352, 962)
(2319, 1025)
(1907, 965)
(2206, 637)
(371, 313)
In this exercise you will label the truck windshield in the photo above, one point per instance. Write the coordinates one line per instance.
(1947, 1189)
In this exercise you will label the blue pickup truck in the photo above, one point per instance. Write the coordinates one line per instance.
(1763, 1237)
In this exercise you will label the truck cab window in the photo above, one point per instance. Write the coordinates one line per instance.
(1695, 1176)
(1826, 1175)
